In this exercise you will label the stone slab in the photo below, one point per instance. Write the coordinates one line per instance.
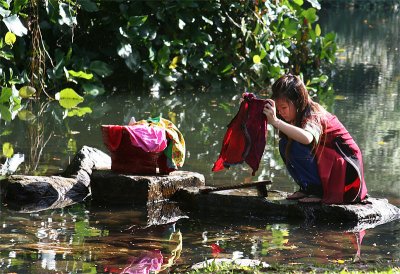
(368, 214)
(114, 188)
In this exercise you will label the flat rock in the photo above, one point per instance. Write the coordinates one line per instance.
(35, 193)
(114, 188)
(368, 214)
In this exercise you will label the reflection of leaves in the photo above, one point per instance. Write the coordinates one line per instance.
(68, 98)
(8, 150)
(26, 115)
(83, 230)
(72, 145)
(79, 111)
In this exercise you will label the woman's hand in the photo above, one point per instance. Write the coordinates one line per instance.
(270, 111)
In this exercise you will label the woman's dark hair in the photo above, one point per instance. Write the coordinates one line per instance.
(291, 87)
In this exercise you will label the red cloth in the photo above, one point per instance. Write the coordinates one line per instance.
(245, 137)
(336, 150)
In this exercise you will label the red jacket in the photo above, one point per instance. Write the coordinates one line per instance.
(337, 150)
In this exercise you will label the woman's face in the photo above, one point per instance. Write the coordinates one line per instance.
(286, 109)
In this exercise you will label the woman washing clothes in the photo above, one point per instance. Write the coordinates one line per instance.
(318, 151)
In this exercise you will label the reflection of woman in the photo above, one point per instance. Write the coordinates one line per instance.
(318, 151)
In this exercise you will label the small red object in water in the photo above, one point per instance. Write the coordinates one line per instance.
(216, 249)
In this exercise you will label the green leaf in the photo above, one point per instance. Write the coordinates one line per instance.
(15, 26)
(310, 14)
(18, 5)
(6, 94)
(227, 69)
(137, 21)
(5, 113)
(318, 30)
(290, 27)
(79, 111)
(8, 150)
(27, 91)
(163, 55)
(80, 74)
(101, 68)
(68, 98)
(298, 2)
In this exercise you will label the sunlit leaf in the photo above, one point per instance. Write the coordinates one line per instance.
(318, 30)
(67, 14)
(26, 115)
(290, 27)
(174, 62)
(68, 98)
(14, 25)
(4, 12)
(27, 91)
(315, 4)
(181, 24)
(8, 150)
(79, 111)
(10, 38)
(299, 2)
(256, 59)
(80, 74)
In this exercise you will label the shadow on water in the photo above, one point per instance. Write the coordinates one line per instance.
(91, 238)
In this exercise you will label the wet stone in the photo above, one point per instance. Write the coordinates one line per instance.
(114, 188)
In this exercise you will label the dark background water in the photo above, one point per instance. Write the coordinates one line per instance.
(88, 238)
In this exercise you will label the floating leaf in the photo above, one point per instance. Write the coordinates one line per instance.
(27, 91)
(10, 38)
(68, 98)
(8, 150)
(80, 74)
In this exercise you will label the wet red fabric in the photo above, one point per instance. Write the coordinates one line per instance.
(336, 150)
(245, 138)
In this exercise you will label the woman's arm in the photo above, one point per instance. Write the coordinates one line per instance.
(293, 132)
